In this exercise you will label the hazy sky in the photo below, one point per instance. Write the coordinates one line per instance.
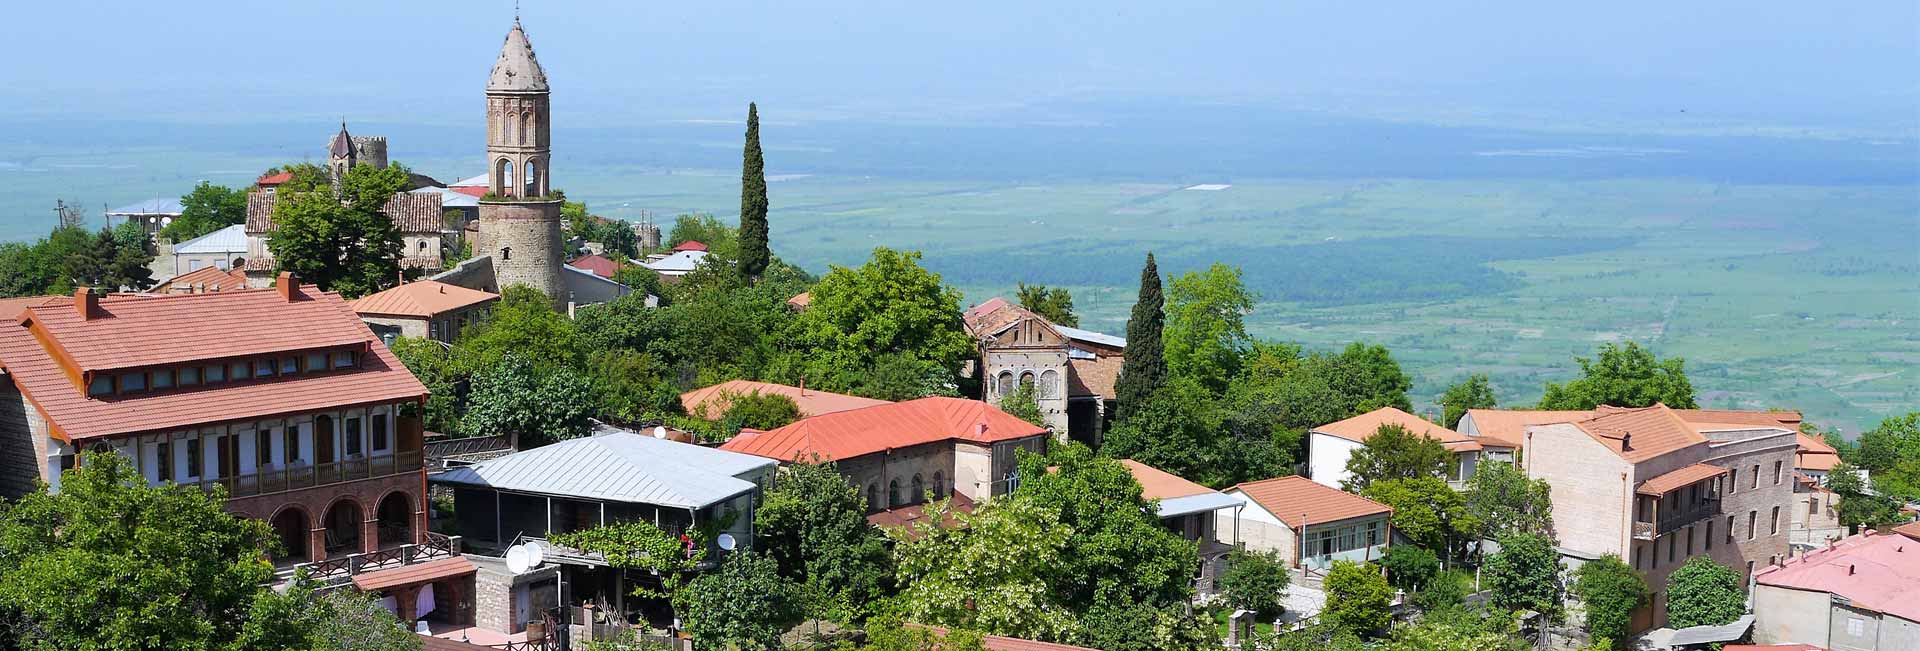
(1854, 64)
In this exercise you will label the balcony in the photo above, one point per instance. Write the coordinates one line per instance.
(1665, 523)
(301, 477)
(335, 570)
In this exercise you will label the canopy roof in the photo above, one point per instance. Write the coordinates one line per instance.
(617, 465)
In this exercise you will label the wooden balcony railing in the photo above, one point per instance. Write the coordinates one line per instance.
(437, 546)
(281, 480)
(1669, 522)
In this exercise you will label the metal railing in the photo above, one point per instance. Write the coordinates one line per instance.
(1669, 522)
(436, 547)
(281, 480)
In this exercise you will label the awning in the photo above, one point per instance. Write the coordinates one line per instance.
(1666, 483)
(428, 572)
(1190, 504)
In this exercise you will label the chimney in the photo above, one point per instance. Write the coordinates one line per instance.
(1849, 569)
(1626, 441)
(803, 387)
(287, 285)
(87, 303)
(981, 428)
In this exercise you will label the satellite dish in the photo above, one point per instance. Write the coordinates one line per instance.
(517, 559)
(536, 554)
(726, 541)
(659, 432)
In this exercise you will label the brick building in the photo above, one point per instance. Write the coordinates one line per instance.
(1072, 371)
(1656, 489)
(279, 395)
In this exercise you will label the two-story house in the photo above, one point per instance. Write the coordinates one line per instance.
(1329, 446)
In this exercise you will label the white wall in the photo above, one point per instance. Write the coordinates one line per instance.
(1788, 616)
(1259, 529)
(1327, 458)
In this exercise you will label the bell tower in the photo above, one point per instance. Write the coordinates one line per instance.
(519, 223)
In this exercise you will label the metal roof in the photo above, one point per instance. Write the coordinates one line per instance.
(618, 465)
(1201, 503)
(232, 239)
(160, 206)
(449, 198)
(1089, 335)
(679, 263)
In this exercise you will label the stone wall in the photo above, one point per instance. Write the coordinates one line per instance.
(23, 443)
(873, 473)
(523, 239)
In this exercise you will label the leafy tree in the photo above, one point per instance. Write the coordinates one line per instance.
(1023, 404)
(1704, 593)
(744, 604)
(435, 366)
(721, 240)
(1859, 508)
(112, 563)
(1623, 377)
(1256, 581)
(1424, 510)
(1501, 499)
(1525, 574)
(1118, 552)
(1121, 625)
(21, 271)
(1176, 430)
(633, 387)
(901, 376)
(988, 572)
(1611, 591)
(1892, 451)
(1358, 598)
(207, 208)
(616, 237)
(1410, 568)
(1318, 636)
(1143, 368)
(538, 407)
(341, 242)
(106, 263)
(1296, 391)
(1206, 328)
(1446, 590)
(889, 635)
(1459, 629)
(1053, 304)
(1475, 392)
(1393, 452)
(524, 324)
(814, 525)
(337, 620)
(758, 411)
(890, 305)
(753, 201)
(645, 282)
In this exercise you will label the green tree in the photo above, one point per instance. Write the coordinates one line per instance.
(1501, 499)
(433, 363)
(633, 387)
(616, 237)
(890, 305)
(1859, 508)
(1206, 330)
(524, 324)
(537, 406)
(1256, 581)
(112, 563)
(1358, 598)
(814, 525)
(722, 240)
(1525, 574)
(758, 411)
(1623, 377)
(1393, 452)
(1475, 392)
(21, 271)
(1143, 368)
(337, 620)
(1424, 510)
(1118, 553)
(105, 262)
(1610, 591)
(1410, 568)
(1318, 636)
(306, 177)
(640, 545)
(753, 201)
(1704, 593)
(207, 208)
(1296, 391)
(1024, 405)
(644, 281)
(988, 572)
(744, 604)
(1446, 590)
(889, 635)
(1177, 430)
(1459, 630)
(343, 242)
(1053, 304)
(1892, 451)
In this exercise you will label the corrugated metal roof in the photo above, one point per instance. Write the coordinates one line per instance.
(232, 239)
(1089, 335)
(157, 206)
(617, 465)
(679, 263)
(450, 198)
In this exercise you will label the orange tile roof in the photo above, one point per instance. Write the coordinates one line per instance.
(423, 299)
(812, 402)
(1816, 461)
(445, 568)
(12, 307)
(801, 299)
(1510, 425)
(1681, 478)
(1813, 444)
(1157, 484)
(1364, 426)
(907, 518)
(1642, 433)
(1291, 497)
(211, 279)
(1003, 643)
(275, 179)
(857, 432)
(1910, 530)
(194, 327)
(690, 245)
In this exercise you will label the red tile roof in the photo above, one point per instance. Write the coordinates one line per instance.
(1291, 497)
(600, 265)
(1003, 643)
(210, 279)
(430, 571)
(471, 190)
(690, 245)
(1877, 572)
(1093, 377)
(1362, 427)
(410, 212)
(849, 434)
(1157, 484)
(423, 299)
(275, 179)
(1642, 433)
(12, 307)
(1681, 478)
(1510, 425)
(711, 402)
(801, 300)
(179, 329)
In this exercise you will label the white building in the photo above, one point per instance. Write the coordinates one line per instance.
(1330, 445)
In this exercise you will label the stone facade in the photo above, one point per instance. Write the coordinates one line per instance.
(1027, 352)
(24, 441)
(503, 601)
(1814, 519)
(523, 241)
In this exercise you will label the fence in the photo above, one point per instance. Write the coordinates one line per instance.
(281, 480)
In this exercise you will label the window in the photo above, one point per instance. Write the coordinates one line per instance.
(1752, 517)
(1689, 541)
(873, 496)
(133, 382)
(422, 247)
(189, 376)
(433, 330)
(1774, 528)
(263, 368)
(1709, 540)
(216, 373)
(1636, 556)
(353, 437)
(239, 371)
(919, 489)
(163, 379)
(1733, 480)
(1776, 473)
(1730, 521)
(101, 385)
(289, 365)
(1813, 506)
(379, 432)
(893, 493)
(343, 359)
(1004, 384)
(291, 451)
(163, 454)
(939, 485)
(262, 448)
(316, 362)
(506, 253)
(1753, 481)
(193, 457)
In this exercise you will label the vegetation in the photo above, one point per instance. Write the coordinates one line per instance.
(1624, 377)
(1610, 591)
(1475, 392)
(1357, 598)
(743, 604)
(1859, 508)
(337, 620)
(1206, 329)
(1704, 593)
(205, 209)
(989, 573)
(1500, 499)
(1891, 451)
(341, 242)
(1256, 581)
(1447, 589)
(537, 406)
(1393, 452)
(754, 255)
(1426, 511)
(814, 525)
(1023, 404)
(1410, 568)
(1054, 304)
(869, 323)
(755, 410)
(1525, 574)
(1144, 365)
(72, 257)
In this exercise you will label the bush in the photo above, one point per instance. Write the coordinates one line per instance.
(1446, 589)
(1525, 574)
(757, 411)
(1704, 593)
(1357, 598)
(1611, 591)
(1256, 581)
(1409, 568)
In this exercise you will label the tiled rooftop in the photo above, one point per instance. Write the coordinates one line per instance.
(849, 434)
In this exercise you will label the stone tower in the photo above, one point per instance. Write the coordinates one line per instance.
(341, 155)
(519, 224)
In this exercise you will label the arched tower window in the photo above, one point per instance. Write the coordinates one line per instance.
(919, 489)
(532, 180)
(1050, 384)
(506, 253)
(1026, 379)
(893, 493)
(1004, 385)
(503, 177)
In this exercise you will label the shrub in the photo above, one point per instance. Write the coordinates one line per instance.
(1357, 598)
(1409, 568)
(1611, 590)
(1256, 581)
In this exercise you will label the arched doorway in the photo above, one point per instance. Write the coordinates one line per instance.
(343, 528)
(395, 517)
(503, 177)
(290, 526)
(532, 180)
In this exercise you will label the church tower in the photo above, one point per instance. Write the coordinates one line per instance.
(519, 223)
(342, 154)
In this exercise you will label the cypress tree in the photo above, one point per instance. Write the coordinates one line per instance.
(1144, 368)
(754, 255)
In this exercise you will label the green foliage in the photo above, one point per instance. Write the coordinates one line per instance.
(1447, 589)
(758, 411)
(524, 324)
(753, 201)
(813, 524)
(901, 376)
(1024, 405)
(1410, 568)
(889, 635)
(1175, 430)
(988, 572)
(888, 306)
(205, 209)
(615, 236)
(1704, 593)
(1053, 304)
(632, 387)
(1319, 636)
(1206, 329)
(1393, 452)
(1296, 391)
(341, 242)
(1425, 510)
(1525, 574)
(1859, 508)
(1610, 591)
(626, 640)
(337, 620)
(108, 262)
(1119, 552)
(744, 604)
(1357, 598)
(638, 544)
(644, 281)
(539, 406)
(307, 177)
(435, 366)
(1624, 377)
(111, 563)
(1891, 451)
(1475, 392)
(1143, 368)
(1501, 499)
(1459, 629)
(1256, 581)
(721, 240)
(578, 220)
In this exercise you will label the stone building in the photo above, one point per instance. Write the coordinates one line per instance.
(1656, 489)
(1072, 371)
(426, 308)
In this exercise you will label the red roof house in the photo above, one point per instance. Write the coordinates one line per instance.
(600, 265)
(690, 245)
(712, 402)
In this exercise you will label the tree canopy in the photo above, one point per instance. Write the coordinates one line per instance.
(1610, 591)
(744, 604)
(1393, 452)
(814, 525)
(890, 306)
(1206, 328)
(1424, 510)
(1627, 376)
(1704, 593)
(205, 209)
(1475, 392)
(988, 572)
(341, 242)
(1501, 500)
(1358, 598)
(1143, 367)
(1054, 304)
(1525, 574)
(754, 255)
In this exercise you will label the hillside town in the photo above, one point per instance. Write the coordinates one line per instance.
(356, 407)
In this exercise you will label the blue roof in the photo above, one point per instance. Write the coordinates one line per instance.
(149, 207)
(232, 239)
